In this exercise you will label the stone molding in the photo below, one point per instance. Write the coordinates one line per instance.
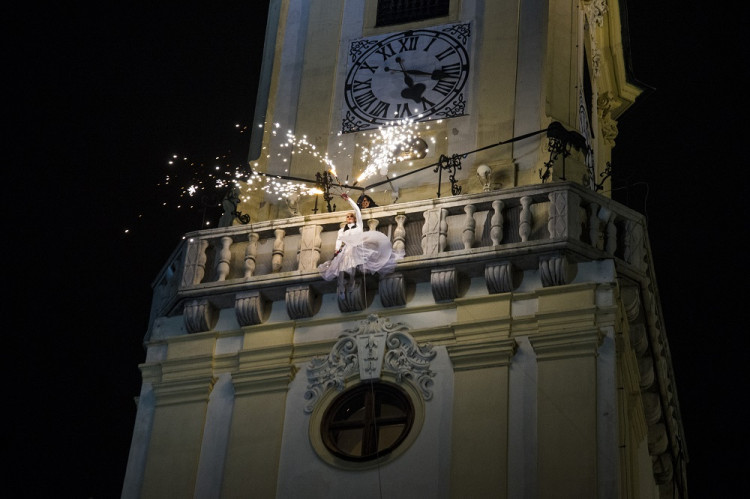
(183, 391)
(265, 379)
(566, 344)
(482, 354)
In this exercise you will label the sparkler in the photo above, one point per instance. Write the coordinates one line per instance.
(202, 184)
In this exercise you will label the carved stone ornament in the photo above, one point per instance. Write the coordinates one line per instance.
(376, 346)
(200, 316)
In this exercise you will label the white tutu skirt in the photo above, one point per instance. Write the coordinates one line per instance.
(369, 251)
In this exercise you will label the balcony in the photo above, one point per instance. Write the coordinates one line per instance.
(495, 236)
(544, 233)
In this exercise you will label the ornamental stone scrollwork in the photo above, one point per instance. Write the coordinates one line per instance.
(444, 283)
(499, 277)
(350, 292)
(392, 290)
(376, 346)
(250, 308)
(199, 316)
(607, 124)
(300, 301)
(555, 270)
(595, 10)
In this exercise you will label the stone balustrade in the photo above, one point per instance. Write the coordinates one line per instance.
(495, 235)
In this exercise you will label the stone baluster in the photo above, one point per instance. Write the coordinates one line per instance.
(399, 234)
(195, 262)
(524, 227)
(309, 247)
(496, 230)
(443, 241)
(633, 252)
(564, 217)
(611, 245)
(372, 223)
(469, 226)
(278, 250)
(223, 257)
(434, 231)
(250, 254)
(595, 232)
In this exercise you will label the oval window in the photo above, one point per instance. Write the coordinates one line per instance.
(367, 422)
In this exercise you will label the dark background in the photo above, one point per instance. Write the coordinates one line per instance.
(99, 98)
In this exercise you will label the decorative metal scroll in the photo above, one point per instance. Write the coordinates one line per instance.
(452, 164)
(561, 142)
(325, 181)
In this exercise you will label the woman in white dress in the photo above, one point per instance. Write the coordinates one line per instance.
(369, 252)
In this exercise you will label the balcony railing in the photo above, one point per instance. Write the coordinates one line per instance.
(497, 234)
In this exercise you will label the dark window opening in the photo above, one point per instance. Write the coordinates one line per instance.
(367, 421)
(392, 12)
(588, 92)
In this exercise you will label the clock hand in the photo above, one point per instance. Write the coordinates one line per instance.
(407, 79)
(438, 74)
(412, 91)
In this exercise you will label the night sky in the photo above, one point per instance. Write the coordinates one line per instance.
(101, 97)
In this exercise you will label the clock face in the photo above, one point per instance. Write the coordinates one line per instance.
(419, 74)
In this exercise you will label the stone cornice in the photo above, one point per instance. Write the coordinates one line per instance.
(183, 391)
(566, 344)
(482, 354)
(263, 379)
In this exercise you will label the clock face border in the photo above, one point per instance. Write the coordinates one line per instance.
(419, 74)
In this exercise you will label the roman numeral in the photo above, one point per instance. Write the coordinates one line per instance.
(443, 87)
(361, 86)
(408, 43)
(454, 70)
(365, 99)
(386, 51)
(429, 44)
(426, 104)
(367, 66)
(445, 53)
(380, 109)
(403, 110)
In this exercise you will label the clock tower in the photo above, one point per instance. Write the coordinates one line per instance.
(469, 74)
(518, 349)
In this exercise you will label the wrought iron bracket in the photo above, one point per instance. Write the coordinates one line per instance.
(604, 175)
(325, 181)
(561, 142)
(453, 164)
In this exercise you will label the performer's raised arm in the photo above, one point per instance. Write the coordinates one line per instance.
(357, 213)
